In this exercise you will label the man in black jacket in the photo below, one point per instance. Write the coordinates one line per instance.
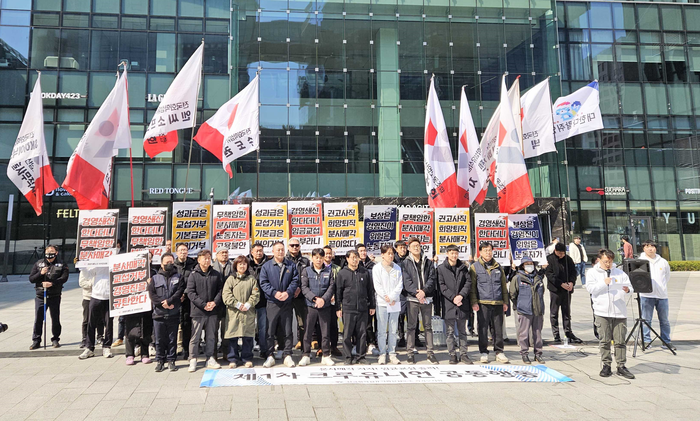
(354, 300)
(419, 281)
(48, 275)
(561, 278)
(204, 287)
(318, 287)
(298, 302)
(165, 290)
(184, 266)
(368, 263)
(455, 287)
(257, 259)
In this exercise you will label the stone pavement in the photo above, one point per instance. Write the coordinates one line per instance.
(54, 384)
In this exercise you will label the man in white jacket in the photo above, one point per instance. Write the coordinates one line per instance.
(658, 298)
(98, 311)
(388, 284)
(578, 254)
(609, 287)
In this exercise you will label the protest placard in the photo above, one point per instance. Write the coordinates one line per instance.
(147, 230)
(526, 238)
(232, 229)
(97, 237)
(270, 224)
(379, 227)
(493, 228)
(341, 226)
(306, 223)
(417, 222)
(452, 227)
(192, 226)
(128, 286)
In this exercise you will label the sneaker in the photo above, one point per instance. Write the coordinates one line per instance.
(99, 340)
(327, 361)
(232, 365)
(539, 359)
(501, 358)
(453, 359)
(606, 371)
(130, 361)
(394, 359)
(484, 358)
(288, 361)
(55, 344)
(115, 343)
(624, 372)
(465, 359)
(382, 359)
(146, 360)
(526, 360)
(193, 365)
(86, 354)
(432, 359)
(151, 351)
(415, 350)
(107, 352)
(506, 340)
(314, 345)
(159, 367)
(362, 361)
(211, 363)
(269, 362)
(137, 350)
(335, 352)
(573, 339)
(305, 360)
(411, 358)
(248, 364)
(82, 345)
(172, 366)
(297, 346)
(34, 345)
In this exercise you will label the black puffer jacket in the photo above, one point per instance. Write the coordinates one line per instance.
(166, 286)
(203, 287)
(453, 281)
(354, 291)
(254, 269)
(57, 275)
(413, 281)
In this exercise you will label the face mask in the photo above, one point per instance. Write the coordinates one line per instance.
(50, 255)
(529, 268)
(169, 267)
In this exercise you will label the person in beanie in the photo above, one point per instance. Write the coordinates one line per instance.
(165, 290)
(455, 288)
(241, 293)
(527, 294)
(48, 275)
(318, 287)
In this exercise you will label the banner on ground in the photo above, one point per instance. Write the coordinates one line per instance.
(270, 224)
(128, 283)
(306, 223)
(452, 227)
(380, 375)
(526, 238)
(379, 227)
(493, 228)
(232, 229)
(192, 225)
(417, 222)
(147, 230)
(342, 231)
(578, 112)
(97, 237)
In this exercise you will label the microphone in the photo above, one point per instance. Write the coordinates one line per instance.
(608, 272)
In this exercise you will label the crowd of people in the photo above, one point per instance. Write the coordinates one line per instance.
(215, 305)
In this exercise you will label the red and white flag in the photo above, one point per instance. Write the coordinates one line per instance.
(440, 176)
(512, 181)
(177, 110)
(472, 173)
(235, 128)
(90, 167)
(29, 165)
(538, 135)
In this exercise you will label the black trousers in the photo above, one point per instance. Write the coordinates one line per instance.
(323, 317)
(86, 316)
(137, 332)
(301, 310)
(372, 330)
(490, 314)
(354, 326)
(279, 323)
(53, 305)
(560, 300)
(186, 326)
(99, 315)
(166, 338)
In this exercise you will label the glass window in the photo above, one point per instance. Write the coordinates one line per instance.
(592, 227)
(639, 183)
(672, 19)
(45, 19)
(218, 26)
(72, 82)
(14, 48)
(602, 55)
(13, 84)
(656, 100)
(186, 45)
(44, 48)
(161, 53)
(100, 86)
(190, 25)
(216, 54)
(15, 18)
(680, 99)
(667, 229)
(577, 15)
(130, 22)
(105, 21)
(216, 91)
(163, 7)
(652, 68)
(122, 182)
(626, 56)
(675, 64)
(193, 8)
(664, 183)
(692, 18)
(580, 57)
(135, 7)
(74, 49)
(67, 138)
(77, 21)
(137, 92)
(648, 16)
(215, 177)
(52, 5)
(162, 24)
(218, 9)
(105, 50)
(623, 16)
(690, 223)
(601, 16)
(105, 6)
(157, 85)
(8, 135)
(357, 49)
(133, 50)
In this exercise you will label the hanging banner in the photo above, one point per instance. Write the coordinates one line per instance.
(192, 225)
(381, 374)
(379, 227)
(526, 238)
(270, 224)
(493, 228)
(306, 223)
(417, 222)
(342, 231)
(128, 283)
(97, 237)
(147, 230)
(232, 229)
(452, 227)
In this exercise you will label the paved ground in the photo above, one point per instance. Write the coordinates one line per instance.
(54, 384)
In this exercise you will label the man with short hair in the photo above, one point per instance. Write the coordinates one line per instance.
(184, 265)
(328, 259)
(279, 280)
(298, 302)
(223, 265)
(609, 286)
(658, 298)
(318, 287)
(355, 302)
(257, 259)
(48, 276)
(419, 283)
(578, 254)
(455, 286)
(165, 290)
(561, 278)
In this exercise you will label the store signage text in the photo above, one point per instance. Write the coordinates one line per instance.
(59, 192)
(154, 97)
(62, 95)
(692, 191)
(610, 191)
(172, 190)
(67, 213)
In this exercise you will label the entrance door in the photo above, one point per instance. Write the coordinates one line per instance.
(641, 232)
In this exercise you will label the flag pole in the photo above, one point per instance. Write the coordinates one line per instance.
(194, 123)
(563, 214)
(257, 159)
(131, 159)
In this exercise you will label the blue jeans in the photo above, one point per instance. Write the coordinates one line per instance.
(581, 269)
(261, 315)
(661, 305)
(386, 320)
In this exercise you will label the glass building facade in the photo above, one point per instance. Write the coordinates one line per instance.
(343, 94)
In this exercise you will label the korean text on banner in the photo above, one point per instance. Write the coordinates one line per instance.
(526, 238)
(578, 112)
(493, 228)
(97, 237)
(417, 222)
(147, 230)
(232, 229)
(128, 283)
(379, 227)
(306, 223)
(452, 227)
(341, 226)
(270, 224)
(192, 226)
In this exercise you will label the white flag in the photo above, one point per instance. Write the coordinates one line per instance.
(177, 110)
(472, 173)
(538, 137)
(578, 113)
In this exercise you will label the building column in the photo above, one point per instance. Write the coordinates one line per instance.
(389, 124)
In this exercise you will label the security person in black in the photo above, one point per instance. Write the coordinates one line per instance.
(561, 278)
(48, 274)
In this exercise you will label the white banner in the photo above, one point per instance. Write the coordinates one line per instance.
(538, 136)
(578, 113)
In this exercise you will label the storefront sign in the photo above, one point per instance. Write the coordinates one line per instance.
(379, 227)
(526, 238)
(67, 213)
(171, 190)
(493, 228)
(615, 191)
(191, 226)
(452, 227)
(97, 237)
(341, 226)
(59, 192)
(270, 224)
(306, 223)
(154, 97)
(692, 191)
(128, 286)
(147, 230)
(417, 222)
(62, 95)
(232, 229)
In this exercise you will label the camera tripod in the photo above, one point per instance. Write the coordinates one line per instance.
(637, 331)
